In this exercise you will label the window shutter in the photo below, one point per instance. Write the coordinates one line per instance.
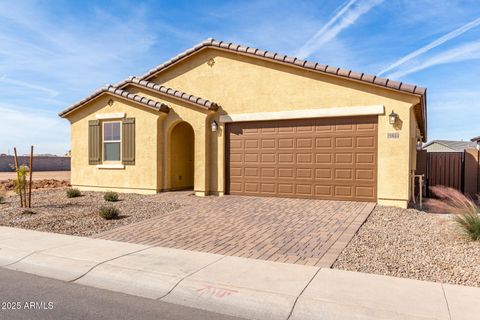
(128, 141)
(94, 142)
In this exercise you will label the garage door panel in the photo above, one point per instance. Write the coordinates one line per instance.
(327, 158)
(304, 158)
(324, 191)
(268, 188)
(236, 158)
(251, 158)
(286, 143)
(251, 144)
(304, 190)
(323, 173)
(323, 143)
(268, 144)
(344, 191)
(286, 189)
(364, 192)
(304, 143)
(304, 173)
(268, 158)
(286, 158)
(285, 173)
(343, 142)
(365, 142)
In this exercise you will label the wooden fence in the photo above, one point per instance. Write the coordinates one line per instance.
(458, 170)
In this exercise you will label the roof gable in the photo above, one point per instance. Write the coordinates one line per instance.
(114, 91)
(299, 63)
(177, 94)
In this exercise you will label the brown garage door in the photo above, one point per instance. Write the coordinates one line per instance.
(325, 158)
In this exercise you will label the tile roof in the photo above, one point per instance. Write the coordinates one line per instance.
(475, 139)
(453, 145)
(205, 104)
(119, 93)
(372, 79)
(313, 66)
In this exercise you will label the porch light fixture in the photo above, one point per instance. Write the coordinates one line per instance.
(478, 145)
(392, 118)
(214, 126)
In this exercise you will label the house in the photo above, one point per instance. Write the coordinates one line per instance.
(448, 146)
(221, 118)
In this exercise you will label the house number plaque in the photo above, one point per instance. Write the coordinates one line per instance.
(393, 135)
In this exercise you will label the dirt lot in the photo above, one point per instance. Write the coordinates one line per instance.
(54, 212)
(412, 244)
(40, 175)
(41, 180)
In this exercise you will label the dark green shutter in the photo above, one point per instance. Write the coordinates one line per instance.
(94, 142)
(128, 141)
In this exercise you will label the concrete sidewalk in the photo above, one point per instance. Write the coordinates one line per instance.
(247, 288)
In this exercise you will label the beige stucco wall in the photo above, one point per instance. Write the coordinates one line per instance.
(243, 84)
(141, 177)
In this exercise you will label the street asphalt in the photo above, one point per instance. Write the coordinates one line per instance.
(25, 296)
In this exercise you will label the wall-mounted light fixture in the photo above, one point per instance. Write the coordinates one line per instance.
(214, 126)
(478, 145)
(392, 118)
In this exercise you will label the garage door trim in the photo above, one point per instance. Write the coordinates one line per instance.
(305, 114)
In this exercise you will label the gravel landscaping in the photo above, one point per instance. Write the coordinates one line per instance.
(54, 212)
(412, 244)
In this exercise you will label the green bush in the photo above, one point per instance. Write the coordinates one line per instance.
(73, 193)
(109, 213)
(111, 196)
(466, 211)
(469, 223)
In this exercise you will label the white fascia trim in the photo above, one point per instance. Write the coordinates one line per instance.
(305, 113)
(105, 116)
(111, 166)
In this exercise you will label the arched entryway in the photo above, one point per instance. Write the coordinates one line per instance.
(182, 156)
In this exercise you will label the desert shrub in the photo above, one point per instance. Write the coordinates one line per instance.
(73, 193)
(111, 196)
(109, 213)
(21, 181)
(469, 223)
(467, 213)
(28, 212)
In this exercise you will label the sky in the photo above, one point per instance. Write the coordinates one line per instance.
(54, 53)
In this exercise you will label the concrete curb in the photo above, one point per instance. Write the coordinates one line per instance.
(248, 288)
(255, 289)
(156, 271)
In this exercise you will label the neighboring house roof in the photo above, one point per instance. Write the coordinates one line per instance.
(119, 93)
(452, 145)
(325, 69)
(155, 87)
(475, 139)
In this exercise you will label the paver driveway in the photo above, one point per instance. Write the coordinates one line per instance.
(303, 231)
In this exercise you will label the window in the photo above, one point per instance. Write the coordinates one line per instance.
(111, 141)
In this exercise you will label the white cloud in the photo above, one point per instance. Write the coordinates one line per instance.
(449, 36)
(24, 84)
(345, 17)
(469, 51)
(22, 127)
